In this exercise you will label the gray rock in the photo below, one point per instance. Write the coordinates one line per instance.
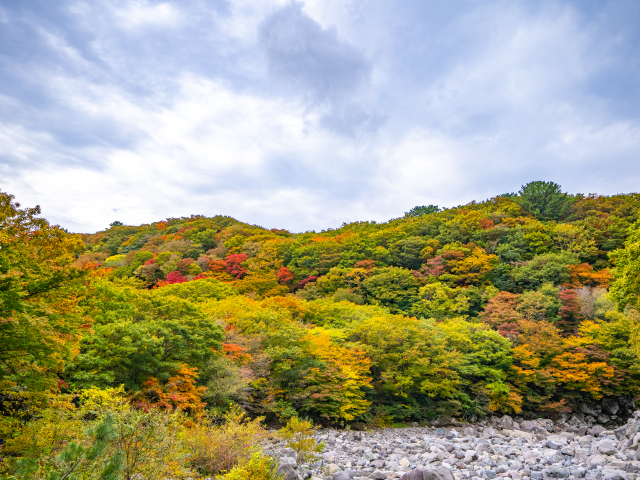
(590, 409)
(596, 430)
(377, 464)
(607, 448)
(585, 441)
(505, 422)
(439, 473)
(489, 474)
(514, 474)
(595, 461)
(602, 418)
(621, 432)
(287, 461)
(289, 452)
(378, 475)
(617, 465)
(529, 426)
(613, 474)
(556, 442)
(489, 432)
(558, 472)
(610, 406)
(517, 434)
(346, 475)
(287, 472)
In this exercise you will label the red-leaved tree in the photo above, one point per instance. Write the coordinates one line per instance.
(233, 265)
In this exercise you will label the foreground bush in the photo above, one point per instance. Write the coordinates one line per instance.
(219, 448)
(298, 435)
(259, 467)
(116, 444)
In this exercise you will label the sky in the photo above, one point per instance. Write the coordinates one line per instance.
(304, 115)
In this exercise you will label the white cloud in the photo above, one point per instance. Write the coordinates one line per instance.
(133, 14)
(111, 141)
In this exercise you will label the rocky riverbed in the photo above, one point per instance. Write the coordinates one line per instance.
(525, 450)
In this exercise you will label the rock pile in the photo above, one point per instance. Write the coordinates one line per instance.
(526, 450)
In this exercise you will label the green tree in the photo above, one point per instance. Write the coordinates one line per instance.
(392, 287)
(39, 287)
(406, 253)
(544, 200)
(138, 336)
(625, 290)
(422, 210)
(545, 268)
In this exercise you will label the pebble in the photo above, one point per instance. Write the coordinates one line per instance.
(502, 447)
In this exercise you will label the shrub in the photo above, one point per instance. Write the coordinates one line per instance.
(220, 448)
(101, 440)
(259, 467)
(298, 435)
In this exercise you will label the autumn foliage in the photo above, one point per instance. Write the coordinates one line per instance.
(497, 306)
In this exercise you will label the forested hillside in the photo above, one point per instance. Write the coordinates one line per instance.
(522, 304)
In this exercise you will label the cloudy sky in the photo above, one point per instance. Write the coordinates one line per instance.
(303, 115)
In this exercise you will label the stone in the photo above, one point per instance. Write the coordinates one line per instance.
(289, 452)
(590, 409)
(529, 425)
(585, 441)
(287, 461)
(596, 430)
(610, 406)
(613, 474)
(570, 451)
(514, 474)
(517, 434)
(621, 432)
(607, 448)
(556, 442)
(617, 465)
(377, 464)
(469, 432)
(558, 472)
(595, 461)
(341, 476)
(438, 473)
(505, 422)
(378, 475)
(332, 468)
(287, 472)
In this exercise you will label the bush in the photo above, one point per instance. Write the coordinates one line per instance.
(298, 435)
(103, 439)
(259, 467)
(220, 448)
